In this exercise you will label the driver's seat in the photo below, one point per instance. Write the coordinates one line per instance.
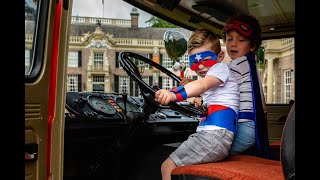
(256, 165)
(248, 167)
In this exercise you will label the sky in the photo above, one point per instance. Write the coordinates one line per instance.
(117, 9)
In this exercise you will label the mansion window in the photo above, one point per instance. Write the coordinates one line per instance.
(72, 82)
(146, 79)
(185, 59)
(74, 60)
(167, 62)
(287, 86)
(167, 83)
(195, 77)
(136, 89)
(98, 83)
(137, 62)
(128, 85)
(124, 84)
(27, 60)
(143, 64)
(98, 61)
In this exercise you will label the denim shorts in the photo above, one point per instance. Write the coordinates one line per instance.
(244, 138)
(203, 147)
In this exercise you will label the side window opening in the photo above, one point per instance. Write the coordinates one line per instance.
(36, 13)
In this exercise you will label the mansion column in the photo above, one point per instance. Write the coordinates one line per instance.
(155, 71)
(270, 81)
(106, 70)
(89, 70)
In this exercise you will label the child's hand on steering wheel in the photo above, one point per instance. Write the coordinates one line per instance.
(197, 102)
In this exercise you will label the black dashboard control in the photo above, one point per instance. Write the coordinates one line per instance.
(169, 113)
(71, 115)
(160, 115)
(81, 102)
(104, 96)
(90, 114)
(115, 105)
(124, 98)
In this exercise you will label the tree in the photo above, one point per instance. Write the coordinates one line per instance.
(30, 12)
(260, 58)
(157, 22)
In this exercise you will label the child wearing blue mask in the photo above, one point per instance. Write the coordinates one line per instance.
(219, 89)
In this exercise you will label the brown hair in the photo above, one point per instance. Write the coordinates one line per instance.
(256, 37)
(201, 37)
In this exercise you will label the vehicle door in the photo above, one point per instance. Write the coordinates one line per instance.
(46, 39)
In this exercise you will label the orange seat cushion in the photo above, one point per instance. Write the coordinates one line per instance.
(236, 167)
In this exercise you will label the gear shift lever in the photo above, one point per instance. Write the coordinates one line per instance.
(124, 97)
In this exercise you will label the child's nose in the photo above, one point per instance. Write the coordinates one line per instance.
(201, 66)
(234, 43)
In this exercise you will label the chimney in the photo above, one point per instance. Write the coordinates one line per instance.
(134, 17)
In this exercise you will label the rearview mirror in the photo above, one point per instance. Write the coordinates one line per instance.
(175, 43)
(176, 46)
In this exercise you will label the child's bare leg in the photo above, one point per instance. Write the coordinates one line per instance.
(166, 167)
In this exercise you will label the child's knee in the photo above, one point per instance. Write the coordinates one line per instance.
(167, 166)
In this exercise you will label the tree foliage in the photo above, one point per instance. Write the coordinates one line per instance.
(28, 9)
(30, 12)
(157, 22)
(260, 58)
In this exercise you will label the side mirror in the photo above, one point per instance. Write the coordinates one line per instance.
(176, 46)
(175, 43)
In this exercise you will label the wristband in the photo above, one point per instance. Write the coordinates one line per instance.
(180, 93)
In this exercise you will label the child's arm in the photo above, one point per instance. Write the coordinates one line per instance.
(198, 87)
(192, 89)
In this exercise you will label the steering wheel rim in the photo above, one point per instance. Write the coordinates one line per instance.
(133, 71)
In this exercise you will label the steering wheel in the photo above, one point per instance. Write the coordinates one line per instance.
(147, 91)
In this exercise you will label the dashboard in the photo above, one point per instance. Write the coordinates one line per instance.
(105, 132)
(98, 109)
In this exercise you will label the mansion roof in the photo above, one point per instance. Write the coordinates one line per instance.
(125, 32)
(116, 31)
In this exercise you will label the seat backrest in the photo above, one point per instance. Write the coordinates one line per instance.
(288, 146)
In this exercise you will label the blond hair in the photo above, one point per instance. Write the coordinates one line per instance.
(202, 37)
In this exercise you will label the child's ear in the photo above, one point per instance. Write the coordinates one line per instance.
(253, 47)
(220, 56)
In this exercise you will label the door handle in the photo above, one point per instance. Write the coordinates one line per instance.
(31, 152)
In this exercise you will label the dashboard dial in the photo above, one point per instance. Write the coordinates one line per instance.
(100, 105)
(130, 106)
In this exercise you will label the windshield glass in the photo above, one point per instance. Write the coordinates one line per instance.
(97, 38)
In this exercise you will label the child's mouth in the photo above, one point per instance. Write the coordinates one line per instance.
(202, 73)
